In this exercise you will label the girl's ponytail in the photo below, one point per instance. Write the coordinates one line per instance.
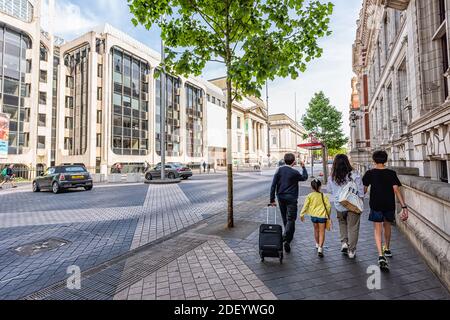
(316, 184)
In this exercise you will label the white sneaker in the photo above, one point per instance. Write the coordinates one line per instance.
(344, 248)
(351, 254)
(317, 246)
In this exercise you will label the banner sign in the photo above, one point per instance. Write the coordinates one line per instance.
(4, 135)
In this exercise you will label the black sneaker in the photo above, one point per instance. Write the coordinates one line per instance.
(320, 252)
(387, 252)
(382, 262)
(287, 247)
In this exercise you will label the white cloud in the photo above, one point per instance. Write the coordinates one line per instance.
(69, 19)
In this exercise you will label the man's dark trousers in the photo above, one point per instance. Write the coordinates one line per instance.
(288, 209)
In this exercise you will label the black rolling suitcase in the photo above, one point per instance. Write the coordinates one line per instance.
(271, 239)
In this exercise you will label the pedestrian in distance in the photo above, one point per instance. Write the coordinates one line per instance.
(8, 176)
(318, 207)
(349, 222)
(384, 187)
(204, 166)
(285, 187)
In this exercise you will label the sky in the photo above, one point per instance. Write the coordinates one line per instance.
(331, 73)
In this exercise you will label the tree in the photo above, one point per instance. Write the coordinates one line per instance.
(334, 152)
(325, 121)
(255, 40)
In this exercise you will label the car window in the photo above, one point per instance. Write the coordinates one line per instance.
(73, 169)
(168, 166)
(50, 171)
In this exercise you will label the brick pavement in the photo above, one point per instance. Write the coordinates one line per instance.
(215, 263)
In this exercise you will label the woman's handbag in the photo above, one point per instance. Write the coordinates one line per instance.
(328, 224)
(350, 199)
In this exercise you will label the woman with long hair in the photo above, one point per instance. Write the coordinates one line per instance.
(341, 173)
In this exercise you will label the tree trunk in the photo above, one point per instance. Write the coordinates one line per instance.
(230, 220)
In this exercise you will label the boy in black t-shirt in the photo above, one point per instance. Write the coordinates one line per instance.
(384, 186)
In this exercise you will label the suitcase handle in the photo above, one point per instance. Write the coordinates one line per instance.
(275, 211)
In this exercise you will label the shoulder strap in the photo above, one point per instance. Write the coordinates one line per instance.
(324, 205)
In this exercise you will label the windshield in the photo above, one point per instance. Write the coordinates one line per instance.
(73, 169)
(176, 164)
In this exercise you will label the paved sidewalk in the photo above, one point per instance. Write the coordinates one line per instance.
(203, 260)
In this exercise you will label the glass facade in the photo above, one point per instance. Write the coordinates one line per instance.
(173, 124)
(13, 89)
(54, 106)
(20, 9)
(78, 63)
(194, 122)
(130, 104)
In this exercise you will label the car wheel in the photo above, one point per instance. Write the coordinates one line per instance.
(88, 188)
(171, 175)
(148, 176)
(36, 187)
(55, 187)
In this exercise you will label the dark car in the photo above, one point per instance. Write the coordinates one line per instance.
(63, 177)
(155, 173)
(183, 171)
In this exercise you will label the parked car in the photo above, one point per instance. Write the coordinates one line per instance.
(184, 171)
(59, 178)
(155, 172)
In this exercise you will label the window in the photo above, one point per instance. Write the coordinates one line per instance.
(445, 64)
(218, 102)
(208, 97)
(100, 70)
(41, 142)
(444, 173)
(42, 98)
(442, 11)
(42, 75)
(213, 100)
(99, 116)
(99, 140)
(69, 82)
(274, 140)
(68, 143)
(41, 119)
(43, 53)
(68, 123)
(99, 93)
(69, 102)
(238, 122)
(21, 9)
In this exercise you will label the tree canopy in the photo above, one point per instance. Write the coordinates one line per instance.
(256, 40)
(325, 121)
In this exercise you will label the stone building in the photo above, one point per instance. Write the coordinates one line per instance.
(249, 127)
(285, 135)
(401, 60)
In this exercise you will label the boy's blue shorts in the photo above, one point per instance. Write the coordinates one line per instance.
(318, 220)
(382, 216)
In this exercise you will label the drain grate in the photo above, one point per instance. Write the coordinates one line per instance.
(31, 249)
(115, 275)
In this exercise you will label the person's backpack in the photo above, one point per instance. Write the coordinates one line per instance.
(4, 172)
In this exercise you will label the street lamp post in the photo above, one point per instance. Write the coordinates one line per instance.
(296, 127)
(163, 112)
(268, 124)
